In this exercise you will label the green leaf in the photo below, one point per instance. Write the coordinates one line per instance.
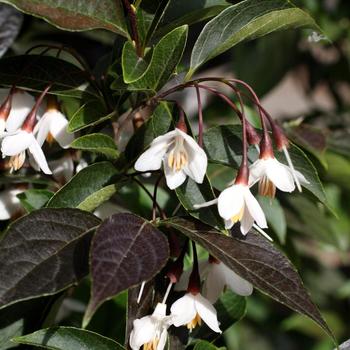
(223, 145)
(44, 252)
(90, 113)
(78, 14)
(99, 143)
(275, 216)
(35, 72)
(256, 260)
(34, 199)
(247, 20)
(165, 57)
(135, 252)
(204, 345)
(68, 338)
(87, 189)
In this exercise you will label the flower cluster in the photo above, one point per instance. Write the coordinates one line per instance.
(25, 125)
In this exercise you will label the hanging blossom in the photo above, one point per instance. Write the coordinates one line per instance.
(270, 173)
(10, 204)
(17, 143)
(151, 331)
(53, 126)
(180, 154)
(219, 276)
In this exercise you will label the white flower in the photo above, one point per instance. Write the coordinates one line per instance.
(9, 203)
(218, 276)
(15, 145)
(191, 309)
(236, 203)
(22, 104)
(53, 126)
(62, 169)
(270, 173)
(181, 157)
(151, 331)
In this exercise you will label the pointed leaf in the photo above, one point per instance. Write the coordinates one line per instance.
(68, 338)
(247, 20)
(33, 199)
(165, 57)
(78, 14)
(125, 251)
(256, 260)
(99, 143)
(44, 252)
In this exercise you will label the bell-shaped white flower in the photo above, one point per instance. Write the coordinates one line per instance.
(10, 204)
(151, 331)
(236, 203)
(53, 126)
(15, 146)
(270, 173)
(218, 277)
(191, 309)
(21, 105)
(181, 157)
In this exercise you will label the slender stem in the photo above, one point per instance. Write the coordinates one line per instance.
(133, 25)
(200, 117)
(154, 206)
(167, 293)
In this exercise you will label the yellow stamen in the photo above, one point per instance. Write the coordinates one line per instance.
(238, 216)
(16, 162)
(177, 159)
(196, 321)
(152, 345)
(267, 188)
(50, 139)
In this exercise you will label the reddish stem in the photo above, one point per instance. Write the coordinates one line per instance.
(200, 117)
(194, 283)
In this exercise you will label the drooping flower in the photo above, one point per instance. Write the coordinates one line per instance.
(10, 204)
(219, 276)
(53, 126)
(191, 309)
(270, 173)
(181, 157)
(62, 169)
(151, 331)
(236, 203)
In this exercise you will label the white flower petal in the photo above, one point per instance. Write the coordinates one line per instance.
(279, 175)
(197, 163)
(207, 312)
(173, 178)
(42, 128)
(62, 169)
(246, 222)
(183, 310)
(16, 143)
(143, 332)
(22, 104)
(162, 339)
(230, 201)
(39, 156)
(214, 283)
(228, 224)
(152, 158)
(301, 178)
(9, 203)
(235, 282)
(254, 209)
(2, 125)
(58, 129)
(256, 171)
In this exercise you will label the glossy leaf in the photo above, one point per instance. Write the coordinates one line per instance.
(204, 345)
(33, 199)
(10, 25)
(98, 143)
(256, 260)
(165, 57)
(78, 14)
(247, 20)
(68, 338)
(223, 146)
(84, 185)
(35, 72)
(43, 253)
(125, 251)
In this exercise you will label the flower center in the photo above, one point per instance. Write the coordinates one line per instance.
(49, 138)
(196, 321)
(178, 157)
(16, 162)
(152, 345)
(266, 187)
(238, 216)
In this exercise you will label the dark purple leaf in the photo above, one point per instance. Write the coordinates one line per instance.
(125, 251)
(256, 260)
(44, 252)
